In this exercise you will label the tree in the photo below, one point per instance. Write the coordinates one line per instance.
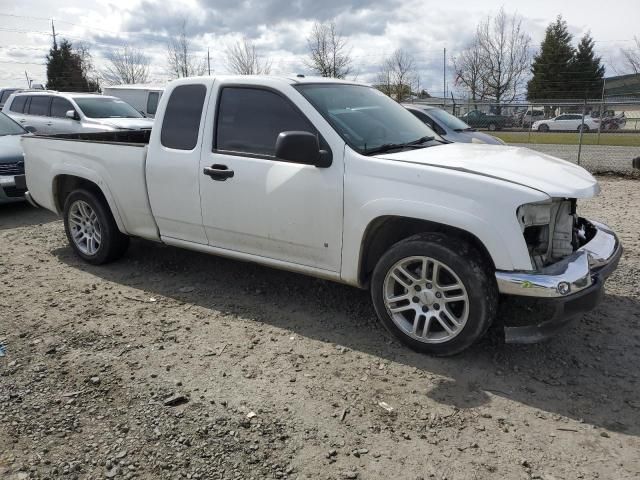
(243, 59)
(587, 71)
(181, 61)
(632, 57)
(504, 55)
(127, 65)
(67, 69)
(552, 66)
(469, 72)
(397, 75)
(329, 54)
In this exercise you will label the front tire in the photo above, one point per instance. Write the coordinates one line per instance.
(543, 128)
(492, 127)
(91, 229)
(434, 293)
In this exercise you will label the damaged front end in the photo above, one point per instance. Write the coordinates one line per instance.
(571, 258)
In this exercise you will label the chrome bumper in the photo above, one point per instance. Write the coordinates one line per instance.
(573, 274)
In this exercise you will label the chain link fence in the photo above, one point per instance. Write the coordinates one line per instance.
(601, 135)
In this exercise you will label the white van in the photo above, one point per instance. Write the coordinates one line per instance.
(142, 97)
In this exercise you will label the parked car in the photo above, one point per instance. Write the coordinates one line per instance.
(5, 93)
(336, 180)
(478, 119)
(449, 127)
(567, 122)
(613, 121)
(531, 116)
(57, 112)
(143, 98)
(11, 160)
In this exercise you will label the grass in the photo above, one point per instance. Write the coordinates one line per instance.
(569, 138)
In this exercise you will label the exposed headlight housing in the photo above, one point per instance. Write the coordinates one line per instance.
(549, 229)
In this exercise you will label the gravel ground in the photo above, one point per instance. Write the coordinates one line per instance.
(172, 364)
(595, 158)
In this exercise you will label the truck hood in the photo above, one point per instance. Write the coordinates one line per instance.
(134, 123)
(10, 149)
(553, 176)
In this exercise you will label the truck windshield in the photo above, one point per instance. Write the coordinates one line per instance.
(106, 108)
(365, 118)
(9, 127)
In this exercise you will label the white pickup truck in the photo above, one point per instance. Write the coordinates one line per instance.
(336, 180)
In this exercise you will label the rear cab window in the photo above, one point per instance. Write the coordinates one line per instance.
(182, 117)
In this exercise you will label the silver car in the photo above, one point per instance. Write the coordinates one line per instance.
(449, 127)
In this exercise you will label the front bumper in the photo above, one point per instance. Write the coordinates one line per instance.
(10, 191)
(567, 288)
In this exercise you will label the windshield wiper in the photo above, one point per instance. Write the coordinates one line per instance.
(385, 147)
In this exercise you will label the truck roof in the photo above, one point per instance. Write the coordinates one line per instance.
(291, 79)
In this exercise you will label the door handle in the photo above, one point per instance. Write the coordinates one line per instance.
(22, 120)
(49, 124)
(218, 172)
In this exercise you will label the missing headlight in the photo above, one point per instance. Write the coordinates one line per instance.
(549, 230)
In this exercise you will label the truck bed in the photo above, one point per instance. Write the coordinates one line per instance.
(114, 161)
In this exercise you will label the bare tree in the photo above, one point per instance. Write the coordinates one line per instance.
(632, 57)
(181, 60)
(469, 71)
(329, 53)
(82, 50)
(126, 66)
(243, 59)
(505, 55)
(397, 75)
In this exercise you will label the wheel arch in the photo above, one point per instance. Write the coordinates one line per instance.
(64, 184)
(385, 231)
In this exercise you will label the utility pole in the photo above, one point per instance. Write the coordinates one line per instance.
(28, 81)
(53, 29)
(444, 77)
(208, 62)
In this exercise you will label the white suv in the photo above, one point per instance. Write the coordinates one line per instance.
(51, 112)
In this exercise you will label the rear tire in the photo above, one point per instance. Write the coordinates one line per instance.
(435, 293)
(492, 127)
(91, 229)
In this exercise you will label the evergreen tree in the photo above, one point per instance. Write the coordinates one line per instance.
(588, 72)
(66, 71)
(552, 66)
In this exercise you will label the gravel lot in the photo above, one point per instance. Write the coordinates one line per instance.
(173, 364)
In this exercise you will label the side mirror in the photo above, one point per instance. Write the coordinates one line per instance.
(71, 114)
(30, 129)
(302, 147)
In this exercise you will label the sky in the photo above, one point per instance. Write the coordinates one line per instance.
(279, 28)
